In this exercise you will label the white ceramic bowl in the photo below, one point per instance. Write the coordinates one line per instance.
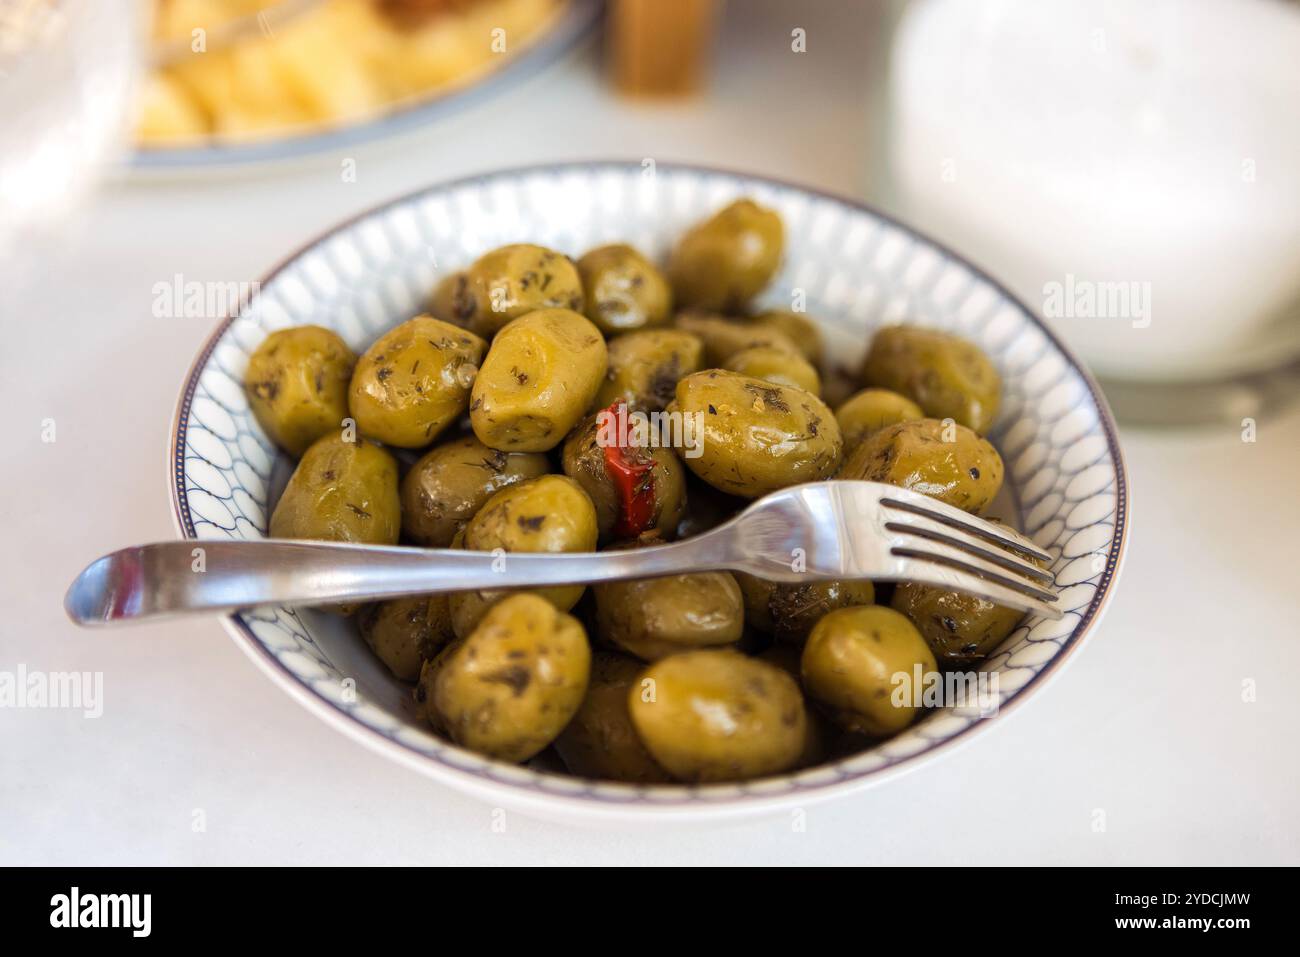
(858, 270)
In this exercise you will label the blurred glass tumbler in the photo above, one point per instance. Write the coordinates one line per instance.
(1131, 170)
(660, 47)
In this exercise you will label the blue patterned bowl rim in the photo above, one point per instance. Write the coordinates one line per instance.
(658, 801)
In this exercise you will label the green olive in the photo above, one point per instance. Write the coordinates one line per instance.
(644, 367)
(729, 258)
(870, 411)
(600, 741)
(723, 337)
(414, 381)
(948, 377)
(634, 488)
(944, 460)
(861, 663)
(757, 436)
(538, 380)
(774, 364)
(297, 385)
(716, 715)
(547, 514)
(405, 632)
(341, 491)
(788, 612)
(452, 481)
(795, 326)
(450, 300)
(509, 689)
(515, 280)
(623, 290)
(656, 617)
(961, 629)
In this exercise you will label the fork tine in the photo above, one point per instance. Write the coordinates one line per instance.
(947, 534)
(918, 504)
(956, 558)
(951, 578)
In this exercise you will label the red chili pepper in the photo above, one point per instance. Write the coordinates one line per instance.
(632, 470)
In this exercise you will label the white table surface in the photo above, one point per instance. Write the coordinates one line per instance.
(1148, 724)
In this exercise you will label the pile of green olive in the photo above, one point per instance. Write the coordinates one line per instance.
(475, 426)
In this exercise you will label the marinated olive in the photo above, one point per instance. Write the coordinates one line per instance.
(724, 337)
(450, 301)
(635, 488)
(944, 460)
(509, 689)
(788, 612)
(861, 664)
(870, 411)
(795, 326)
(656, 617)
(600, 741)
(341, 491)
(623, 290)
(948, 377)
(757, 436)
(644, 367)
(515, 280)
(774, 364)
(452, 481)
(297, 385)
(961, 629)
(405, 632)
(538, 380)
(729, 258)
(716, 715)
(414, 381)
(547, 514)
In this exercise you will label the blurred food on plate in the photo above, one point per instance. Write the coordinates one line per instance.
(230, 70)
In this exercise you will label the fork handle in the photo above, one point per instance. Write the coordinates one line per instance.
(172, 578)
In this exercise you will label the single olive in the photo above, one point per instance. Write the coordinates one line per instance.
(547, 514)
(789, 611)
(452, 481)
(405, 632)
(645, 367)
(538, 380)
(297, 385)
(862, 663)
(623, 290)
(723, 337)
(726, 260)
(870, 411)
(961, 629)
(798, 327)
(656, 617)
(600, 741)
(944, 460)
(775, 365)
(414, 381)
(509, 689)
(948, 377)
(635, 487)
(757, 436)
(515, 280)
(716, 715)
(341, 491)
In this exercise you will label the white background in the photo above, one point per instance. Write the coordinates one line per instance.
(1147, 726)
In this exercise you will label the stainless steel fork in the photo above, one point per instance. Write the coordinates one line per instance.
(822, 530)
